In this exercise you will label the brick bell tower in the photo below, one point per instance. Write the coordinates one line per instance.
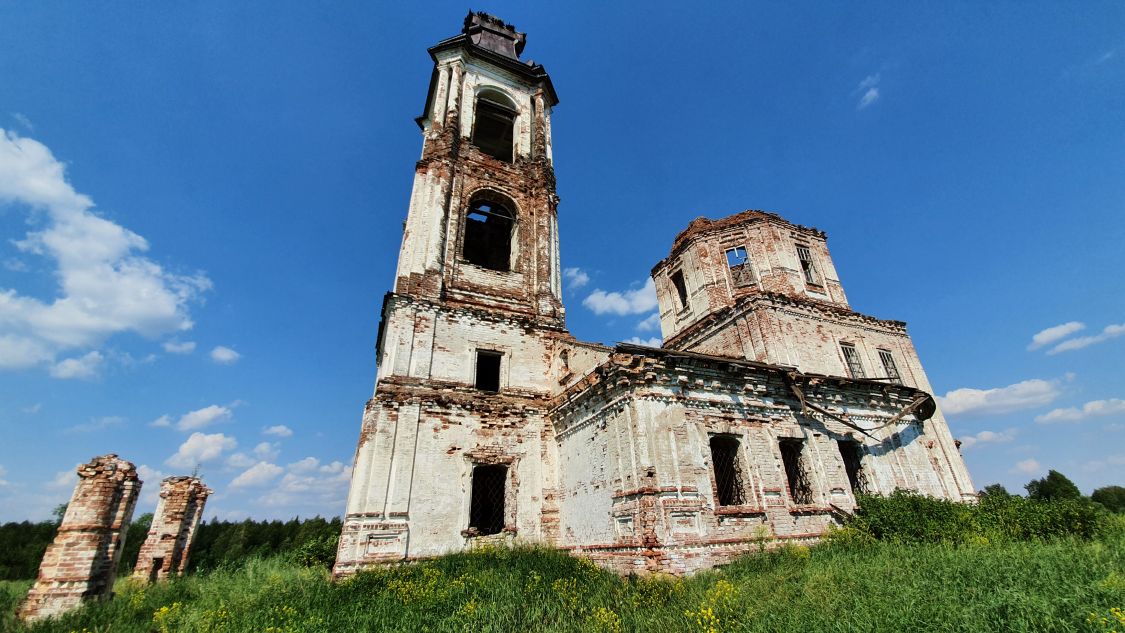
(454, 444)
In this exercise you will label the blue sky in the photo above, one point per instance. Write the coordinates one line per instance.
(201, 205)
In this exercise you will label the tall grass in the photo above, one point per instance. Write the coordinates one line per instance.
(871, 586)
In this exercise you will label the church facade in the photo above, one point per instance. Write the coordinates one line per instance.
(769, 406)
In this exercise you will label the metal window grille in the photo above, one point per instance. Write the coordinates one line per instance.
(852, 453)
(796, 476)
(728, 471)
(807, 266)
(851, 357)
(890, 367)
(486, 507)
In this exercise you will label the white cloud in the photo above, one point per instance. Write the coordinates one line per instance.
(97, 424)
(201, 448)
(267, 451)
(1106, 56)
(311, 484)
(150, 491)
(257, 475)
(161, 421)
(32, 409)
(83, 367)
(279, 430)
(1022, 395)
(240, 460)
(64, 479)
(176, 347)
(1027, 467)
(648, 342)
(575, 278)
(651, 324)
(105, 286)
(1107, 333)
(988, 437)
(868, 89)
(22, 119)
(225, 355)
(1094, 408)
(1055, 333)
(204, 417)
(635, 301)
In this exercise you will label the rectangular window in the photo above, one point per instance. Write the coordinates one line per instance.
(728, 472)
(807, 266)
(851, 357)
(796, 477)
(681, 289)
(852, 453)
(740, 271)
(486, 506)
(488, 370)
(890, 367)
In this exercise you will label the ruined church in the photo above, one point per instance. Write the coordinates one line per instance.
(769, 406)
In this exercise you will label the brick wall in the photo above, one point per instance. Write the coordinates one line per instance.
(168, 544)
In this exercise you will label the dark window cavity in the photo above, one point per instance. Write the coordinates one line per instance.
(154, 571)
(488, 235)
(740, 271)
(728, 470)
(852, 453)
(486, 507)
(492, 129)
(796, 476)
(488, 370)
(807, 266)
(851, 358)
(890, 367)
(681, 289)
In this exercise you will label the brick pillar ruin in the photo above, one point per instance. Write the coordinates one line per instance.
(165, 550)
(81, 563)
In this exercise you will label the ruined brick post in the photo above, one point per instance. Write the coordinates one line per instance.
(81, 563)
(165, 550)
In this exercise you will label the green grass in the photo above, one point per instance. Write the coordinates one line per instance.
(1019, 586)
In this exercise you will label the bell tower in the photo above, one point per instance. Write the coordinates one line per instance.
(455, 444)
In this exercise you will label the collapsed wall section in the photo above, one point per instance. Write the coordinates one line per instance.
(178, 513)
(81, 563)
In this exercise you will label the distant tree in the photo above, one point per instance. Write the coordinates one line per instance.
(134, 538)
(995, 490)
(1111, 497)
(59, 512)
(1052, 487)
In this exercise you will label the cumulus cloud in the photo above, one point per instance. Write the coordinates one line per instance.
(1107, 333)
(1027, 467)
(105, 286)
(200, 448)
(257, 475)
(634, 301)
(267, 451)
(651, 324)
(868, 91)
(575, 278)
(988, 437)
(240, 460)
(204, 417)
(64, 479)
(647, 342)
(225, 355)
(150, 491)
(84, 367)
(1054, 334)
(1093, 408)
(1022, 395)
(279, 430)
(97, 424)
(176, 347)
(309, 483)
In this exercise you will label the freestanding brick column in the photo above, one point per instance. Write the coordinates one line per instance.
(81, 563)
(165, 550)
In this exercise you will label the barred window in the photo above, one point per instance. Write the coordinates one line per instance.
(728, 470)
(796, 476)
(740, 271)
(890, 367)
(486, 506)
(851, 357)
(807, 265)
(852, 452)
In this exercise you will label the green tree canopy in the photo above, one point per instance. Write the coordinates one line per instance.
(994, 490)
(1112, 497)
(1052, 487)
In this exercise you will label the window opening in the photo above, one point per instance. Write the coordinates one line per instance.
(488, 235)
(740, 271)
(486, 506)
(154, 571)
(852, 453)
(681, 289)
(800, 490)
(728, 472)
(890, 367)
(488, 371)
(492, 129)
(851, 357)
(807, 265)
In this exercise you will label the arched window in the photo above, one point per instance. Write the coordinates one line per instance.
(488, 235)
(493, 124)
